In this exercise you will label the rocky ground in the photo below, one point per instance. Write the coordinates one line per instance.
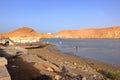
(75, 67)
(46, 63)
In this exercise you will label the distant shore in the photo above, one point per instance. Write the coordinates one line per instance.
(93, 33)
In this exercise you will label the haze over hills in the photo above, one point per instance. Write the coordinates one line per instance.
(25, 32)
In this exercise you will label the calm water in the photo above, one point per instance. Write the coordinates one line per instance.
(105, 50)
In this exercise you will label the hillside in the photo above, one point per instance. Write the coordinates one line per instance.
(29, 33)
(112, 32)
(25, 32)
(21, 32)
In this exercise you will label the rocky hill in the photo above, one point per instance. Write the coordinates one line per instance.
(28, 33)
(112, 32)
(21, 32)
(25, 32)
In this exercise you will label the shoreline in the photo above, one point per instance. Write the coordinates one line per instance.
(48, 63)
(75, 66)
(70, 54)
(89, 59)
(106, 51)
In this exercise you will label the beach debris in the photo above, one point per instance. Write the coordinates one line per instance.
(14, 66)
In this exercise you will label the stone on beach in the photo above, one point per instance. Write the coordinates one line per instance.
(11, 51)
(50, 69)
(40, 63)
(84, 78)
(57, 77)
(3, 61)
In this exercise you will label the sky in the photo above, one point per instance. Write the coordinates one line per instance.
(51, 16)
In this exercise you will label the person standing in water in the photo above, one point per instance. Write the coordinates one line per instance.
(76, 48)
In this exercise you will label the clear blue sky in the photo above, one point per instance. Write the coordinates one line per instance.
(55, 15)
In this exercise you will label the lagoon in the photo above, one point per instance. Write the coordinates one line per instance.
(104, 50)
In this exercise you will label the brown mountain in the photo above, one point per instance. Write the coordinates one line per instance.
(28, 33)
(112, 32)
(21, 32)
(25, 33)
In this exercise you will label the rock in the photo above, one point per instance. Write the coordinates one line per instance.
(94, 76)
(84, 78)
(50, 69)
(75, 64)
(54, 67)
(40, 63)
(3, 61)
(66, 62)
(57, 77)
(21, 50)
(74, 67)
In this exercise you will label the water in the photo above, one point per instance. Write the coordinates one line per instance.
(105, 50)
